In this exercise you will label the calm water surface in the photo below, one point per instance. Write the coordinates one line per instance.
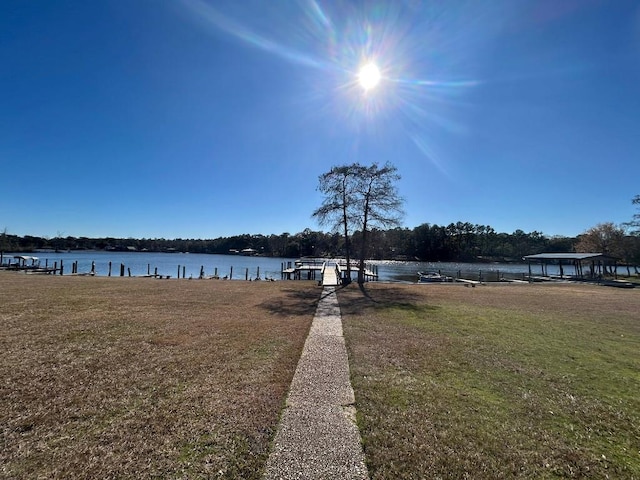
(140, 263)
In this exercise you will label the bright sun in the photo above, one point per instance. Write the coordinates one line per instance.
(369, 76)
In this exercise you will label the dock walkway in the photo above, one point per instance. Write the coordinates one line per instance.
(317, 437)
(330, 275)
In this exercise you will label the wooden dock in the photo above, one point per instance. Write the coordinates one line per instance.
(327, 272)
(301, 270)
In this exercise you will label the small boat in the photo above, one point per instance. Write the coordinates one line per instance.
(432, 277)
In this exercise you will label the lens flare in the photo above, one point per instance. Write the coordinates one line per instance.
(352, 52)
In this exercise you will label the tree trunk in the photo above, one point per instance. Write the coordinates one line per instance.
(362, 257)
(347, 246)
(363, 246)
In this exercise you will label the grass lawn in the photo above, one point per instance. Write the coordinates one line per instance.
(498, 381)
(143, 378)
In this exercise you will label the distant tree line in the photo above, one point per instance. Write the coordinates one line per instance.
(456, 242)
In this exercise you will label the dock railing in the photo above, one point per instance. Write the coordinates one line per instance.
(330, 274)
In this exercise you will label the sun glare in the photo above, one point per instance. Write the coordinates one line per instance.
(369, 76)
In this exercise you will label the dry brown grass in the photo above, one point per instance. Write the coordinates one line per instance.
(500, 381)
(143, 378)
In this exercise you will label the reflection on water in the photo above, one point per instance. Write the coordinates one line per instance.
(390, 270)
(173, 264)
(241, 267)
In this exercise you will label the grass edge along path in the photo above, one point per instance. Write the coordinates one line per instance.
(317, 437)
(141, 378)
(517, 381)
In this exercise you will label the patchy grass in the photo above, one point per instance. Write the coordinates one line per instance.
(142, 378)
(501, 381)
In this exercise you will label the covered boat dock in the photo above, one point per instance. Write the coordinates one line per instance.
(584, 265)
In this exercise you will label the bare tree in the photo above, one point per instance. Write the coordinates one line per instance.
(634, 224)
(378, 203)
(604, 238)
(336, 211)
(359, 197)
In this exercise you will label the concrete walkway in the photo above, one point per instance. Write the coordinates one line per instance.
(317, 437)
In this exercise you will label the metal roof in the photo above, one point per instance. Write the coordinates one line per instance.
(25, 257)
(568, 256)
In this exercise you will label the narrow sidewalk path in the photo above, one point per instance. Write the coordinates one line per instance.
(317, 437)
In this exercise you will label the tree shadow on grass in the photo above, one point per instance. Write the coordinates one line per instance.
(361, 297)
(295, 301)
(355, 299)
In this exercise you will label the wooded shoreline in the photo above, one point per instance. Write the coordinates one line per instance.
(457, 242)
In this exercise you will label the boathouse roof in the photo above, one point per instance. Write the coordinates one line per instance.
(568, 256)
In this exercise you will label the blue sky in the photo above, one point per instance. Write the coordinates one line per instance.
(202, 118)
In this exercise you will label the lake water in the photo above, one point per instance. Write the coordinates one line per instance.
(140, 263)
